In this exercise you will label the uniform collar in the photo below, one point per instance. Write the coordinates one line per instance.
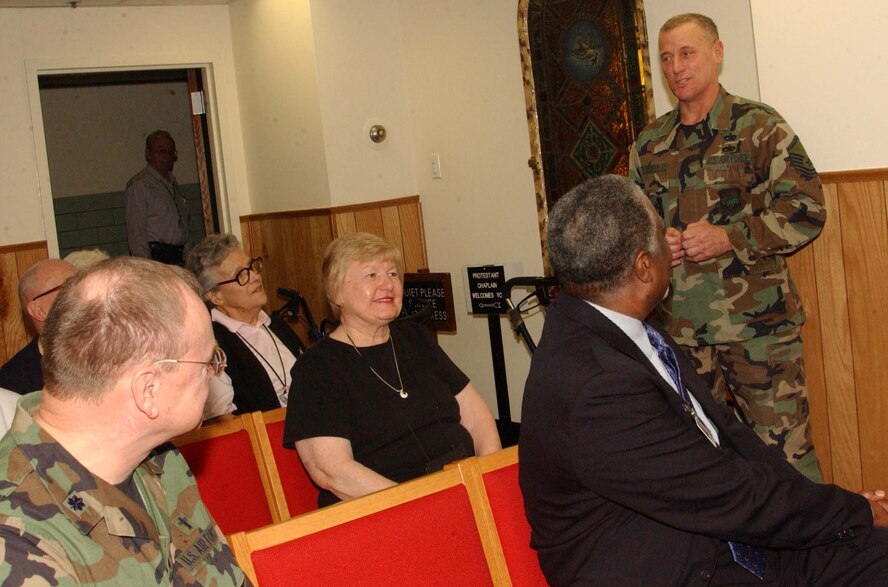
(82, 497)
(718, 118)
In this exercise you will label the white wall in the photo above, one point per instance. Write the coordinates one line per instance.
(734, 23)
(57, 40)
(444, 78)
(361, 82)
(822, 65)
(467, 97)
(274, 53)
(95, 136)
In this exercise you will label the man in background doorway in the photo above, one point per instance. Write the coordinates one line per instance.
(156, 213)
(37, 291)
(738, 193)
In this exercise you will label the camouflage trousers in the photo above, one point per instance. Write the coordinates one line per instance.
(766, 378)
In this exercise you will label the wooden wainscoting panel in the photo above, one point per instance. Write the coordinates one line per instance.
(293, 249)
(344, 223)
(10, 310)
(865, 235)
(293, 244)
(391, 226)
(369, 221)
(836, 352)
(316, 235)
(412, 237)
(804, 274)
(14, 261)
(247, 236)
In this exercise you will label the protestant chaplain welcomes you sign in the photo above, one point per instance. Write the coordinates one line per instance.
(486, 284)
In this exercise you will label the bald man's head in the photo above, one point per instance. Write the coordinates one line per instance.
(38, 288)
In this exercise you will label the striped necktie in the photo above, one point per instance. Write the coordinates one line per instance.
(750, 558)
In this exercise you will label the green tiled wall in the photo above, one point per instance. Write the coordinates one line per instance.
(96, 221)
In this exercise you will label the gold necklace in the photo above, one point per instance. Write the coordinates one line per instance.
(400, 391)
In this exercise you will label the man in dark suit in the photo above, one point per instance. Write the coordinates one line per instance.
(631, 473)
(37, 291)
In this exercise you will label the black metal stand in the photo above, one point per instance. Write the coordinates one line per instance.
(508, 430)
(290, 311)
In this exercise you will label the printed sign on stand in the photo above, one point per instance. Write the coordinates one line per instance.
(486, 289)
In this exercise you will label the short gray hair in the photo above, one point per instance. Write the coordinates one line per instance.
(595, 230)
(109, 318)
(149, 140)
(28, 282)
(702, 21)
(204, 259)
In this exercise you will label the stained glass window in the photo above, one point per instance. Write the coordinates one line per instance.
(590, 98)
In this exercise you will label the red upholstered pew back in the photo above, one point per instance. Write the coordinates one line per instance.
(500, 474)
(232, 483)
(431, 541)
(245, 476)
(423, 532)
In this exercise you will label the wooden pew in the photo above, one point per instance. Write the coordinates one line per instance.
(226, 461)
(423, 532)
(293, 491)
(497, 477)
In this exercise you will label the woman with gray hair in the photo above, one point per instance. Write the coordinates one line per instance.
(261, 350)
(378, 402)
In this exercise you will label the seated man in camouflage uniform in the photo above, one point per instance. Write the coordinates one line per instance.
(90, 491)
(738, 192)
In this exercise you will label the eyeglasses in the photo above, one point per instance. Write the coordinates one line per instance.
(49, 291)
(215, 366)
(174, 154)
(242, 277)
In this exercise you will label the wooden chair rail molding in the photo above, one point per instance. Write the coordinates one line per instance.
(293, 243)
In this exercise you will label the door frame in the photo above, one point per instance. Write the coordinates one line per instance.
(56, 66)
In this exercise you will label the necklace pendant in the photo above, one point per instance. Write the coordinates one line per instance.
(403, 394)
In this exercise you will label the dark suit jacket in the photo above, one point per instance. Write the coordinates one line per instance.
(253, 390)
(621, 488)
(23, 373)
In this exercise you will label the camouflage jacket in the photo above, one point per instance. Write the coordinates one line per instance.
(60, 525)
(742, 168)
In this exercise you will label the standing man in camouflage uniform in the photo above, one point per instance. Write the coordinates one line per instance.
(86, 497)
(738, 193)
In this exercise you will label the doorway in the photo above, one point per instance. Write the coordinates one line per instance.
(95, 126)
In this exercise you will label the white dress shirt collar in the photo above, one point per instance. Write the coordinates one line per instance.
(634, 329)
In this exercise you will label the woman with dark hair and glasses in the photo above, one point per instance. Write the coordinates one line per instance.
(260, 350)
